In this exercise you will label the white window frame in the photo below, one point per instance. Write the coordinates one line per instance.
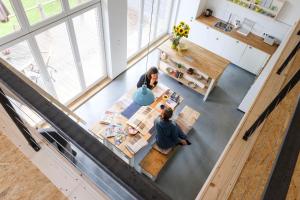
(154, 35)
(27, 33)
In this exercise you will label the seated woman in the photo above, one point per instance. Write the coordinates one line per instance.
(168, 133)
(151, 78)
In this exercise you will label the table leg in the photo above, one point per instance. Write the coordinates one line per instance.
(209, 89)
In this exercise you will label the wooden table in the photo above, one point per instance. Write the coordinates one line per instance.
(126, 100)
(208, 66)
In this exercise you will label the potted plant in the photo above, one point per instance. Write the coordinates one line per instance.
(179, 31)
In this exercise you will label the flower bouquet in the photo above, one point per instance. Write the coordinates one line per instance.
(179, 31)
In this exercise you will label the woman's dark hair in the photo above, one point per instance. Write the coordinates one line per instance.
(152, 70)
(167, 114)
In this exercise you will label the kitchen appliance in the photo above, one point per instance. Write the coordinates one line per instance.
(208, 12)
(269, 39)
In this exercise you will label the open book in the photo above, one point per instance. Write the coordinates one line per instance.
(135, 143)
(143, 119)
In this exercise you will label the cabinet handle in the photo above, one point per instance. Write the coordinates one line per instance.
(237, 41)
(250, 47)
(207, 27)
(217, 38)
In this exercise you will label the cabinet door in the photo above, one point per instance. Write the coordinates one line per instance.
(253, 60)
(198, 34)
(232, 49)
(214, 41)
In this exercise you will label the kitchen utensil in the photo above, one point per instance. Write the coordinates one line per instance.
(208, 12)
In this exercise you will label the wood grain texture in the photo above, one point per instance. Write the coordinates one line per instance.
(197, 57)
(20, 179)
(252, 40)
(222, 180)
(256, 172)
(294, 189)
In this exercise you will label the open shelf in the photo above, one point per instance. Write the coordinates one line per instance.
(271, 11)
(163, 67)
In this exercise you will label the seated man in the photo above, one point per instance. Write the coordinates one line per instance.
(168, 133)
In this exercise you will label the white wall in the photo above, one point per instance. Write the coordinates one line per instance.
(278, 28)
(115, 34)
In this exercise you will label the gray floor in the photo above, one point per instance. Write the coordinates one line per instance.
(187, 171)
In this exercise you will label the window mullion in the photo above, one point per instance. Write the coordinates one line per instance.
(101, 41)
(42, 66)
(76, 54)
(141, 19)
(21, 15)
(154, 33)
(170, 25)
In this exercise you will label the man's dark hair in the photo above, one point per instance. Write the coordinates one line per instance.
(152, 70)
(167, 114)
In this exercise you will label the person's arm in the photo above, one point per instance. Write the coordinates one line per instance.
(141, 81)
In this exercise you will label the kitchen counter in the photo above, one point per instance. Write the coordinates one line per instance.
(252, 40)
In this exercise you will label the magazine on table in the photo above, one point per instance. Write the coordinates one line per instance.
(143, 119)
(113, 130)
(108, 117)
(159, 90)
(135, 143)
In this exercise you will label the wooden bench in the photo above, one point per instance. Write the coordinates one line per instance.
(154, 161)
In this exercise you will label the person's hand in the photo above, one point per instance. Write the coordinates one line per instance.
(183, 142)
(152, 81)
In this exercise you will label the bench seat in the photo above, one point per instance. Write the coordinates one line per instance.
(154, 161)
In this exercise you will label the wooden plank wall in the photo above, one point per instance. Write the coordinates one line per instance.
(230, 177)
(294, 189)
(20, 179)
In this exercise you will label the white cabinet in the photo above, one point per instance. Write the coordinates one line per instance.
(232, 49)
(253, 60)
(199, 34)
(237, 52)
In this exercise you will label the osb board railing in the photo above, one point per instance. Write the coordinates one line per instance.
(20, 179)
(227, 171)
(294, 189)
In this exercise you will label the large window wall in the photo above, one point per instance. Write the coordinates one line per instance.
(138, 22)
(57, 44)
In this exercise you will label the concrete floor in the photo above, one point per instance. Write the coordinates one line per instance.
(187, 171)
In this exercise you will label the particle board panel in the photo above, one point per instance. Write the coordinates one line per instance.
(222, 180)
(258, 167)
(294, 189)
(20, 179)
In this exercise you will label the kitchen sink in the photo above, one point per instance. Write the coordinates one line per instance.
(224, 26)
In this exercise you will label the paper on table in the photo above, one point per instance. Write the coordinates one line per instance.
(135, 143)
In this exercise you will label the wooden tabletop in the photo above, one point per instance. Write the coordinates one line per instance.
(197, 57)
(252, 40)
(98, 129)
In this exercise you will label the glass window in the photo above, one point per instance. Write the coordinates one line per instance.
(74, 3)
(55, 48)
(88, 33)
(163, 17)
(146, 21)
(8, 20)
(39, 10)
(21, 58)
(133, 17)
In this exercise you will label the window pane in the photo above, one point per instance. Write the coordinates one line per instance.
(20, 57)
(87, 30)
(163, 17)
(39, 10)
(74, 3)
(146, 21)
(133, 17)
(55, 48)
(8, 20)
